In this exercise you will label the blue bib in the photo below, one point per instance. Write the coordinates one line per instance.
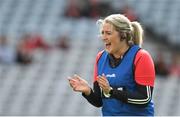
(121, 76)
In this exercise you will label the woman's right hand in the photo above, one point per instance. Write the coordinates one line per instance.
(80, 85)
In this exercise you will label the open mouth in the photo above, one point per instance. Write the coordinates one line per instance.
(107, 45)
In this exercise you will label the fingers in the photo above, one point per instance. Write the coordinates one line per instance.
(102, 79)
(77, 77)
(74, 78)
(103, 82)
(72, 81)
(73, 84)
(76, 81)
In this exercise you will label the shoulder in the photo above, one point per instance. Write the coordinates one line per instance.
(99, 54)
(144, 68)
(142, 54)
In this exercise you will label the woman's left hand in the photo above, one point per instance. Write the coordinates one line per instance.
(104, 84)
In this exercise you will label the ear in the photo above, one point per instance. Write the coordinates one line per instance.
(125, 36)
(122, 36)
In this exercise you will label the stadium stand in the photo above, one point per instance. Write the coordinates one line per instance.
(42, 89)
(161, 16)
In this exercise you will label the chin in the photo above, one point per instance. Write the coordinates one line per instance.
(109, 51)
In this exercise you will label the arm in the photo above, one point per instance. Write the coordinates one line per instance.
(141, 97)
(95, 96)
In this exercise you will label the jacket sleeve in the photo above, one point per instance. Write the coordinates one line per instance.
(141, 97)
(144, 76)
(95, 96)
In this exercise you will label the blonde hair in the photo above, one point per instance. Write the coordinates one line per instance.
(133, 30)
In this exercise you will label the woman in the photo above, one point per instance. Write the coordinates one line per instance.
(124, 72)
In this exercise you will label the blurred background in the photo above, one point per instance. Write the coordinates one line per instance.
(42, 42)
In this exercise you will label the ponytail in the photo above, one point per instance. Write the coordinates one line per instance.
(137, 33)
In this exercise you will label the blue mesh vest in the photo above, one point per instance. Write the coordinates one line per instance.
(121, 76)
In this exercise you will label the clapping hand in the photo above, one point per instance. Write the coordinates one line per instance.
(79, 85)
(104, 84)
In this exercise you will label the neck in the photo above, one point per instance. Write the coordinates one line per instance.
(121, 52)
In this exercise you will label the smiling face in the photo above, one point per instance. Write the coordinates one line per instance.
(111, 38)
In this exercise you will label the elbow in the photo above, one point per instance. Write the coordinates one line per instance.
(142, 100)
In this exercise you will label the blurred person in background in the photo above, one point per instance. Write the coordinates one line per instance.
(129, 13)
(7, 52)
(27, 46)
(88, 8)
(125, 8)
(72, 9)
(24, 53)
(124, 73)
(161, 66)
(62, 42)
(34, 41)
(99, 8)
(175, 65)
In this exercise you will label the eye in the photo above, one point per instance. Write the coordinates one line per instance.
(106, 32)
(109, 33)
(102, 32)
